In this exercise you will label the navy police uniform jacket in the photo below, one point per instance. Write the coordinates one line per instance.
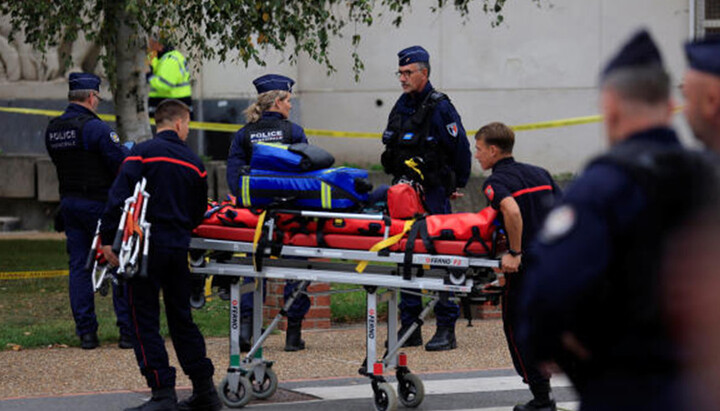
(445, 127)
(86, 152)
(176, 182)
(595, 274)
(532, 187)
(239, 156)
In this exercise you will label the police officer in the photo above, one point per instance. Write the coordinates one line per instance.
(169, 76)
(267, 122)
(523, 194)
(424, 126)
(177, 183)
(701, 88)
(87, 154)
(591, 300)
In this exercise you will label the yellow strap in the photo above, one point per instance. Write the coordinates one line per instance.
(325, 195)
(276, 145)
(256, 238)
(386, 243)
(208, 286)
(245, 191)
(415, 167)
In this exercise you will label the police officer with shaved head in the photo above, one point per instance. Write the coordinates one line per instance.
(701, 88)
(87, 155)
(592, 300)
(268, 122)
(424, 127)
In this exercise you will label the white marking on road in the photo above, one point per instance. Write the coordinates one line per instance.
(432, 387)
(568, 406)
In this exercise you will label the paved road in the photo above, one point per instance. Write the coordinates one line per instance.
(494, 390)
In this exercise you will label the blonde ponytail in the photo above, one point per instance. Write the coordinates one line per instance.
(262, 104)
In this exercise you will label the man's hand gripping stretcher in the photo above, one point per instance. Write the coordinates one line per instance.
(128, 256)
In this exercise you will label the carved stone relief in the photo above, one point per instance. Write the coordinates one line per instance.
(19, 61)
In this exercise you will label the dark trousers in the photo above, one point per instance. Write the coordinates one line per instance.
(297, 310)
(80, 218)
(538, 381)
(167, 271)
(410, 305)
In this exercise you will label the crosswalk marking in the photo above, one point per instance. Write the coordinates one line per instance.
(566, 406)
(432, 387)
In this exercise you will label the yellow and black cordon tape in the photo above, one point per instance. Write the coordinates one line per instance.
(26, 275)
(231, 128)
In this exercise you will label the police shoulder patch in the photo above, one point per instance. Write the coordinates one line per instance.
(558, 224)
(452, 129)
(489, 192)
(114, 137)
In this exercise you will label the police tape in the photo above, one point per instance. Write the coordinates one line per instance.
(26, 275)
(231, 128)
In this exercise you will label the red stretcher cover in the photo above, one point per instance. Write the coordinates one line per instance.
(452, 234)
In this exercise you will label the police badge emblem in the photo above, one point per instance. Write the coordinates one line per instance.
(452, 128)
(558, 224)
(114, 137)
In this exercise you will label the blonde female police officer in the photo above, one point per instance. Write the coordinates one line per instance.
(267, 122)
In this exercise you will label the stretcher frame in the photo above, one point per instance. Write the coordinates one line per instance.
(252, 375)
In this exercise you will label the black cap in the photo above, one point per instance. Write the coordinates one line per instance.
(704, 54)
(639, 51)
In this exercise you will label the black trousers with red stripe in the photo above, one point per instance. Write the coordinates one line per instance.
(538, 381)
(167, 271)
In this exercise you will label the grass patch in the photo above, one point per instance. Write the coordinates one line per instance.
(31, 255)
(350, 307)
(36, 312)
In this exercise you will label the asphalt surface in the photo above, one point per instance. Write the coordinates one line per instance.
(482, 390)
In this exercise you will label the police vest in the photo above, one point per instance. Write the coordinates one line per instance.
(623, 325)
(267, 130)
(408, 138)
(81, 173)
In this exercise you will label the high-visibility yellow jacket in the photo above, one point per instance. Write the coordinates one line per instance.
(170, 76)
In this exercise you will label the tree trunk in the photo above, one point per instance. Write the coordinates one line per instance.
(131, 92)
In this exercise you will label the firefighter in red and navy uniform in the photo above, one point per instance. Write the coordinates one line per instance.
(523, 194)
(177, 184)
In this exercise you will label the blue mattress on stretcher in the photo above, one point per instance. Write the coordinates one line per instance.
(327, 189)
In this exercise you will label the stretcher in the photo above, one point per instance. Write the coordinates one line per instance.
(131, 244)
(287, 245)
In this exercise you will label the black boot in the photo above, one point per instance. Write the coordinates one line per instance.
(293, 340)
(89, 341)
(541, 401)
(444, 339)
(163, 399)
(245, 333)
(537, 405)
(415, 339)
(125, 342)
(203, 398)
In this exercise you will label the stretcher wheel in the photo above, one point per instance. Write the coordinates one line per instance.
(266, 388)
(385, 398)
(197, 259)
(411, 390)
(457, 277)
(197, 301)
(104, 288)
(235, 397)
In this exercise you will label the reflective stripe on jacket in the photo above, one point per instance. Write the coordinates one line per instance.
(170, 78)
